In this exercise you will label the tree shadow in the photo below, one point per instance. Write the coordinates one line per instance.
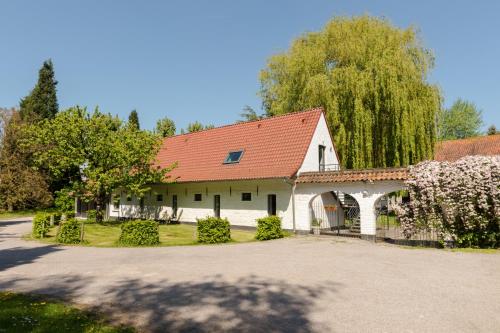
(8, 223)
(17, 256)
(250, 304)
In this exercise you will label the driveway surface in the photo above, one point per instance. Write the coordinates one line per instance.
(304, 284)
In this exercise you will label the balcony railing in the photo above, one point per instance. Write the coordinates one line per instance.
(329, 167)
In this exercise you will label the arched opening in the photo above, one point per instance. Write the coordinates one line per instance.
(335, 212)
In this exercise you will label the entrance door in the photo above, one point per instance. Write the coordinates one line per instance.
(217, 205)
(174, 205)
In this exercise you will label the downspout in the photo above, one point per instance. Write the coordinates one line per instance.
(292, 184)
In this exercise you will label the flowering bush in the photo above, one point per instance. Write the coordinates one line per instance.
(459, 200)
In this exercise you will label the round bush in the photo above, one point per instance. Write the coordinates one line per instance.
(213, 230)
(41, 225)
(269, 228)
(137, 233)
(69, 232)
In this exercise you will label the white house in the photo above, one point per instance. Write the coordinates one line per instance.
(284, 165)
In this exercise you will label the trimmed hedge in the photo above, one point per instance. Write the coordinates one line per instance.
(41, 225)
(269, 228)
(69, 232)
(91, 215)
(139, 232)
(213, 230)
(69, 215)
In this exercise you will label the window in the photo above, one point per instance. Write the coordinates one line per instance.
(271, 204)
(197, 197)
(321, 154)
(159, 197)
(233, 157)
(246, 196)
(174, 206)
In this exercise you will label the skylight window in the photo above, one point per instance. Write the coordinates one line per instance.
(233, 157)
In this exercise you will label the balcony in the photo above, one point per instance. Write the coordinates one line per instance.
(329, 167)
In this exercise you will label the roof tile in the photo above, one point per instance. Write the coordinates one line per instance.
(452, 150)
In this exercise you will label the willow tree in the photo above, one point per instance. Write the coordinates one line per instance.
(371, 79)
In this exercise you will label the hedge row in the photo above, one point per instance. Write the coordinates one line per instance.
(269, 228)
(137, 233)
(213, 230)
(41, 225)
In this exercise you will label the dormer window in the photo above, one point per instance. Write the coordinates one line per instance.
(233, 157)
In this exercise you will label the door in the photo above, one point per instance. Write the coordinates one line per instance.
(271, 204)
(174, 205)
(217, 205)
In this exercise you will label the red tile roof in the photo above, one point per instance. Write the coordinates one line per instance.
(452, 150)
(273, 147)
(343, 176)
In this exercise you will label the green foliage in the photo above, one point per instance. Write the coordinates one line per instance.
(69, 232)
(107, 152)
(57, 217)
(41, 225)
(133, 120)
(213, 230)
(462, 120)
(64, 201)
(91, 215)
(137, 233)
(371, 79)
(492, 130)
(249, 114)
(41, 103)
(269, 228)
(21, 186)
(165, 127)
(69, 214)
(196, 127)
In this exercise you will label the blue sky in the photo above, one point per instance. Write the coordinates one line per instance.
(200, 60)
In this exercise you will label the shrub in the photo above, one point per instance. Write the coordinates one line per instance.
(69, 215)
(213, 230)
(91, 214)
(41, 225)
(459, 200)
(269, 228)
(69, 232)
(140, 232)
(64, 201)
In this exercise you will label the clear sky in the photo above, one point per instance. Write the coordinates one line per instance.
(200, 60)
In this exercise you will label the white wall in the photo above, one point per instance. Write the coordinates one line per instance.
(238, 212)
(322, 137)
(329, 218)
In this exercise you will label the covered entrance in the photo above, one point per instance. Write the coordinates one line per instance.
(344, 201)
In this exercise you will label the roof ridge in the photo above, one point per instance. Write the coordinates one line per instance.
(250, 121)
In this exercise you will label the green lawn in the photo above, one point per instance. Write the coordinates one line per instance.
(4, 215)
(23, 313)
(107, 234)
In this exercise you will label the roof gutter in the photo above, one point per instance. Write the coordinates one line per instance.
(292, 183)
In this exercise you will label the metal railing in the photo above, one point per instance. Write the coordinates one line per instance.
(329, 167)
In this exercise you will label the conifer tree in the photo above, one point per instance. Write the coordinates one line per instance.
(133, 120)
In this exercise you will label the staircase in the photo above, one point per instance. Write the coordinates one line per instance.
(351, 211)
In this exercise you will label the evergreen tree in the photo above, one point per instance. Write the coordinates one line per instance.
(196, 127)
(492, 130)
(371, 79)
(133, 120)
(165, 127)
(41, 103)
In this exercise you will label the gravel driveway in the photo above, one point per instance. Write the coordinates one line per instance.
(304, 284)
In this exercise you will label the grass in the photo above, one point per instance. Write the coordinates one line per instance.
(107, 234)
(26, 313)
(4, 215)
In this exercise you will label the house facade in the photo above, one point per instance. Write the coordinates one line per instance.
(241, 172)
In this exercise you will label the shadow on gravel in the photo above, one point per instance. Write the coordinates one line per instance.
(17, 256)
(250, 304)
(8, 223)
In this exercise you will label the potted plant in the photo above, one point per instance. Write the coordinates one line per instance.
(316, 226)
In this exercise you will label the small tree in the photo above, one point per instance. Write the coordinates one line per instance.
(196, 127)
(249, 114)
(133, 120)
(165, 127)
(108, 153)
(462, 120)
(492, 130)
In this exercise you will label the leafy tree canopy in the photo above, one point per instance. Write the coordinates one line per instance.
(133, 120)
(492, 130)
(109, 154)
(196, 127)
(41, 103)
(371, 79)
(461, 120)
(165, 127)
(249, 114)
